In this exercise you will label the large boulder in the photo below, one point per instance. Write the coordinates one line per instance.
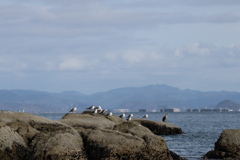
(102, 144)
(227, 146)
(160, 128)
(27, 136)
(12, 145)
(91, 121)
(24, 136)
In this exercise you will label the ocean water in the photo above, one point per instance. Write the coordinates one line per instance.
(201, 130)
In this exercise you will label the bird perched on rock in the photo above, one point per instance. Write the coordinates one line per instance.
(73, 110)
(91, 107)
(145, 116)
(165, 118)
(122, 115)
(103, 111)
(99, 108)
(95, 111)
(109, 114)
(129, 117)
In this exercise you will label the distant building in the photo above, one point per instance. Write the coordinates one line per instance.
(161, 110)
(121, 110)
(189, 110)
(154, 110)
(206, 110)
(226, 110)
(217, 110)
(142, 110)
(196, 110)
(172, 110)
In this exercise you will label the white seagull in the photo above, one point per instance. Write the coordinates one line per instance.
(91, 107)
(73, 110)
(145, 116)
(95, 110)
(122, 115)
(99, 108)
(109, 114)
(103, 111)
(130, 117)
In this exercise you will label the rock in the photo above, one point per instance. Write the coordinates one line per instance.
(91, 121)
(12, 145)
(227, 146)
(160, 128)
(24, 136)
(133, 128)
(57, 146)
(99, 145)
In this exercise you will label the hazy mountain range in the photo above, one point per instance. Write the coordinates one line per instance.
(134, 98)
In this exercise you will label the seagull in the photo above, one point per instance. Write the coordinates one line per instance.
(109, 114)
(145, 116)
(73, 110)
(95, 110)
(91, 107)
(122, 115)
(165, 118)
(99, 110)
(130, 117)
(103, 111)
(98, 107)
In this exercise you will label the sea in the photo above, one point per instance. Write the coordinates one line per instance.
(201, 129)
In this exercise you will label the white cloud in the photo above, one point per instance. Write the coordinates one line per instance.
(193, 49)
(73, 64)
(118, 39)
(133, 57)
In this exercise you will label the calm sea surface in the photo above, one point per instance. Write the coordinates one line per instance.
(201, 130)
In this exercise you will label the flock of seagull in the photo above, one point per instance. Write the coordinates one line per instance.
(99, 110)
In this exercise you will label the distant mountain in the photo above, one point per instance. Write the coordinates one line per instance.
(160, 96)
(228, 104)
(133, 98)
(37, 101)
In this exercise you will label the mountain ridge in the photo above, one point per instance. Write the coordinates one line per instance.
(134, 98)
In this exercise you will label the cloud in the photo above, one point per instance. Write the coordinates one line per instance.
(73, 64)
(193, 49)
(114, 40)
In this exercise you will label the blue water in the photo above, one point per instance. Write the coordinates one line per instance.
(201, 130)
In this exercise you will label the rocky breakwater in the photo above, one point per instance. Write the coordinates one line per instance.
(25, 136)
(227, 146)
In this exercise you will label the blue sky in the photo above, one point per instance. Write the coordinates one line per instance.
(91, 46)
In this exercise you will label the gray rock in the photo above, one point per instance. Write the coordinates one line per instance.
(91, 121)
(25, 136)
(159, 127)
(227, 146)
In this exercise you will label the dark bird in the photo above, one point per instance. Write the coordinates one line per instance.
(165, 118)
(73, 110)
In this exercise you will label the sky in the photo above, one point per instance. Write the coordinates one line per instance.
(92, 46)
